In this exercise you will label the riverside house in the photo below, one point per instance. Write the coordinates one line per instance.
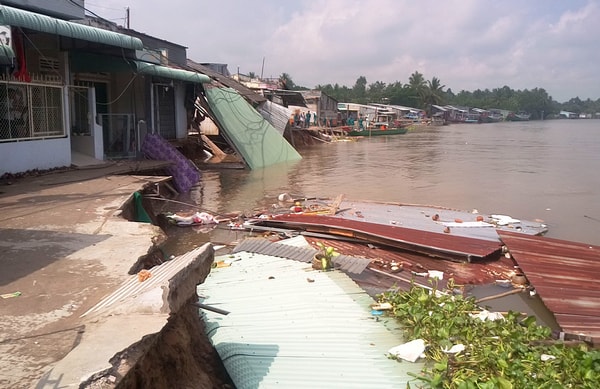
(73, 85)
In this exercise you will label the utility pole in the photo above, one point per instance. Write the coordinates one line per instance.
(127, 16)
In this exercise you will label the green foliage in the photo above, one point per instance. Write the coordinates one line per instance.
(327, 251)
(286, 82)
(420, 93)
(498, 354)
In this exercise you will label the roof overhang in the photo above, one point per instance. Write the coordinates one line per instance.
(38, 22)
(171, 73)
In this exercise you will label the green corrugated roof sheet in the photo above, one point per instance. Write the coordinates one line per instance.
(257, 142)
(292, 327)
(171, 73)
(38, 22)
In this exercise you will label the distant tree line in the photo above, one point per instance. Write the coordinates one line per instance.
(421, 93)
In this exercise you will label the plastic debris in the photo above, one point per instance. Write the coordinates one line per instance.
(381, 306)
(436, 274)
(9, 295)
(197, 218)
(487, 315)
(503, 220)
(547, 357)
(454, 349)
(285, 197)
(410, 351)
(297, 207)
(143, 275)
(236, 226)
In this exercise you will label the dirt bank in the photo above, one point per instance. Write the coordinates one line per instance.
(180, 356)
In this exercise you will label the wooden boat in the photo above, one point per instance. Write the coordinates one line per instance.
(518, 117)
(382, 130)
(385, 123)
(385, 126)
(492, 117)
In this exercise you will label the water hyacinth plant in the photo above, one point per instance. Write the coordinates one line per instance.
(324, 258)
(465, 351)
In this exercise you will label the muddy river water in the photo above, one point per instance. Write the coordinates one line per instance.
(548, 170)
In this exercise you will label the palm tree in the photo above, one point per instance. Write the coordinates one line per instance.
(286, 82)
(433, 93)
(417, 84)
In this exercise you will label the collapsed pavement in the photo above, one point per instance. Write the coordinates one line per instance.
(64, 246)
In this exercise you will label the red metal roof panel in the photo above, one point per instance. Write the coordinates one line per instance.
(565, 274)
(438, 244)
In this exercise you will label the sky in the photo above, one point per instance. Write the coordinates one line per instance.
(466, 44)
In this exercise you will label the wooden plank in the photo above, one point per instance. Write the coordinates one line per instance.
(216, 151)
(333, 208)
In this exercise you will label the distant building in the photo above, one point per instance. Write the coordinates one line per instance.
(567, 115)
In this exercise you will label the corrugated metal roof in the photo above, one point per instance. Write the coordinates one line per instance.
(474, 273)
(438, 231)
(565, 275)
(442, 245)
(279, 249)
(133, 288)
(38, 22)
(277, 115)
(257, 142)
(170, 72)
(294, 327)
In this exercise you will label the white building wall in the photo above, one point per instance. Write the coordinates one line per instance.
(17, 157)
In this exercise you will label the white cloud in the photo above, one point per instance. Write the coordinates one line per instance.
(468, 45)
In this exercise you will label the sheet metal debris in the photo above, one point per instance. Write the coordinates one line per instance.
(435, 231)
(565, 275)
(348, 264)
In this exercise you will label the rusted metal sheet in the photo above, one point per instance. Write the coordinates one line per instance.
(565, 274)
(476, 273)
(442, 245)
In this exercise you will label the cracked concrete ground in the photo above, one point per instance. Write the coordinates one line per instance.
(63, 246)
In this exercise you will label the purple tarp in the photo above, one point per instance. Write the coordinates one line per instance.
(184, 173)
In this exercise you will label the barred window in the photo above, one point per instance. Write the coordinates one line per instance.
(30, 111)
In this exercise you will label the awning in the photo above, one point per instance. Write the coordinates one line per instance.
(7, 55)
(38, 22)
(171, 73)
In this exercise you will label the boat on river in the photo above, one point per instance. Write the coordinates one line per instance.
(381, 130)
(385, 123)
(518, 117)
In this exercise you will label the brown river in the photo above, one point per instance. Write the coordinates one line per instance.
(548, 170)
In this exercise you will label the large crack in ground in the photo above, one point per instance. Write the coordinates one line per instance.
(179, 356)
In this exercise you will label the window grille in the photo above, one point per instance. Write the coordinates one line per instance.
(30, 111)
